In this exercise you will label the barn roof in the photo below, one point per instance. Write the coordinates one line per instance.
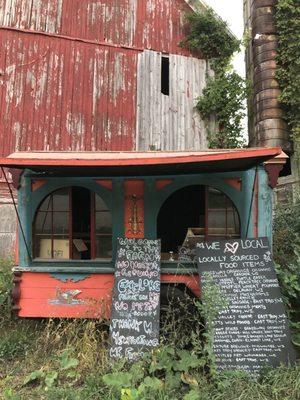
(140, 163)
(196, 5)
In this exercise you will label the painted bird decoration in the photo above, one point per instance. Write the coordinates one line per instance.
(67, 296)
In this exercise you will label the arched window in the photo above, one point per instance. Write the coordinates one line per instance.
(72, 223)
(191, 214)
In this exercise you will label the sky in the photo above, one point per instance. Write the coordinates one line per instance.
(232, 12)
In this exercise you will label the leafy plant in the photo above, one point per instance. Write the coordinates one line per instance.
(224, 97)
(12, 345)
(286, 230)
(212, 304)
(210, 34)
(6, 285)
(286, 244)
(66, 361)
(225, 94)
(48, 377)
(9, 395)
(287, 17)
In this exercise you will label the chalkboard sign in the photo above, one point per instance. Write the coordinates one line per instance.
(134, 327)
(252, 330)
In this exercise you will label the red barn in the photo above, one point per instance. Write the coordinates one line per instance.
(96, 75)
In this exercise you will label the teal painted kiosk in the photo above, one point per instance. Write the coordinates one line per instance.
(72, 207)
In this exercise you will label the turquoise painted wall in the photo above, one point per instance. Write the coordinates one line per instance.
(29, 202)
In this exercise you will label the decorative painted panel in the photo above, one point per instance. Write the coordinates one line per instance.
(134, 208)
(40, 295)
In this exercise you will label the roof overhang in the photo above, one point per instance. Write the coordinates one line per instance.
(141, 163)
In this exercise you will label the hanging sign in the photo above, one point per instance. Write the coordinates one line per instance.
(134, 327)
(252, 330)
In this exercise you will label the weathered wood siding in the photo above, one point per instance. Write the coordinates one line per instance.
(155, 24)
(40, 294)
(170, 122)
(58, 94)
(68, 73)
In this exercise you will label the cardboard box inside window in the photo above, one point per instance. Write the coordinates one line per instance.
(60, 246)
(61, 249)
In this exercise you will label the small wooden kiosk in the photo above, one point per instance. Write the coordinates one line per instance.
(72, 207)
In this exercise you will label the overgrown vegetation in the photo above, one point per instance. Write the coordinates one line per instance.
(225, 94)
(286, 246)
(68, 360)
(6, 285)
(288, 61)
(286, 227)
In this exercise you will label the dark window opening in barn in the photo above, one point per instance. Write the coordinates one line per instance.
(165, 76)
(287, 169)
(72, 223)
(192, 214)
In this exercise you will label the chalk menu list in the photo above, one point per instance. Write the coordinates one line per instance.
(134, 327)
(252, 330)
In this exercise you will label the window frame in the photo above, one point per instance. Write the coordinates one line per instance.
(230, 204)
(70, 234)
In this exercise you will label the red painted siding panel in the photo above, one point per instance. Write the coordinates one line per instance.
(59, 94)
(42, 295)
(151, 24)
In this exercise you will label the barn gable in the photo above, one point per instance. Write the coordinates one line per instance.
(151, 24)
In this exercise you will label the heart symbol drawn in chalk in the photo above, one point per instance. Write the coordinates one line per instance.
(232, 248)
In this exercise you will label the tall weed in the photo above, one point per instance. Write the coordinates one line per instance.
(6, 285)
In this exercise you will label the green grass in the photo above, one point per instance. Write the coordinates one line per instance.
(68, 359)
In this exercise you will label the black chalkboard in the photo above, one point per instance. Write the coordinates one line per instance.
(134, 327)
(252, 330)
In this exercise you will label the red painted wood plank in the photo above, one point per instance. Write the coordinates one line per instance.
(54, 99)
(58, 291)
(139, 159)
(39, 309)
(152, 24)
(42, 295)
(106, 183)
(44, 280)
(236, 183)
(162, 183)
(191, 281)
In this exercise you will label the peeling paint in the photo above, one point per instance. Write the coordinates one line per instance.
(17, 134)
(118, 82)
(75, 124)
(74, 92)
(68, 96)
(155, 24)
(170, 122)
